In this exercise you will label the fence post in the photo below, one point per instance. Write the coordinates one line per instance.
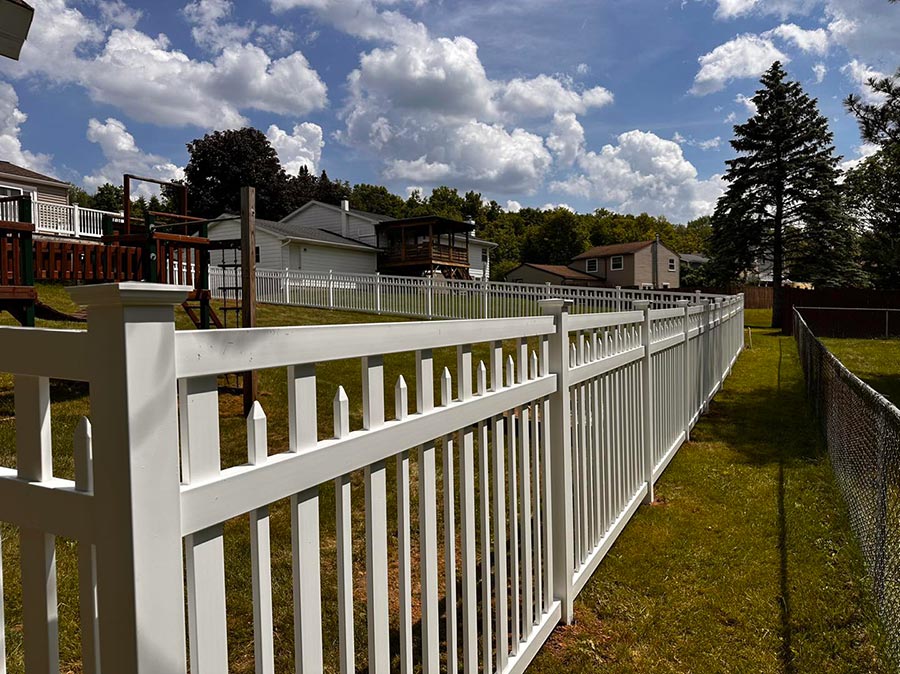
(619, 302)
(378, 292)
(131, 334)
(330, 289)
(646, 397)
(705, 344)
(285, 291)
(485, 292)
(686, 367)
(560, 482)
(429, 285)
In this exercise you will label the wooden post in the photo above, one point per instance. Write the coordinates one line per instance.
(202, 258)
(27, 253)
(248, 283)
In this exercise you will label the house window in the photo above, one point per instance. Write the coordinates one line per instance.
(616, 263)
(593, 265)
(484, 255)
(257, 255)
(666, 286)
(671, 264)
(10, 191)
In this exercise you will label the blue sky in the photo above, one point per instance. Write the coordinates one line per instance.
(623, 105)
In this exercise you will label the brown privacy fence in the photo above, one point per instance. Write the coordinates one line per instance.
(755, 297)
(855, 298)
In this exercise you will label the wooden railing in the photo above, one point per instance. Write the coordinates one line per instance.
(529, 467)
(426, 252)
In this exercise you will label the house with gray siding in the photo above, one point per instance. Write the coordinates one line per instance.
(638, 264)
(282, 245)
(361, 226)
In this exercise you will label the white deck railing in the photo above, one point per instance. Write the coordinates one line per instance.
(434, 297)
(50, 218)
(533, 462)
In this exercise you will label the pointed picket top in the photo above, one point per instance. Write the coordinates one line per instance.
(401, 399)
(446, 387)
(341, 413)
(480, 378)
(534, 365)
(510, 371)
(257, 439)
(84, 474)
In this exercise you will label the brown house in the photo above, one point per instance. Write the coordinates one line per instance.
(557, 274)
(639, 264)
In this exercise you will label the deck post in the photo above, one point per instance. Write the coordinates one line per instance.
(76, 221)
(250, 379)
(26, 250)
(646, 397)
(140, 583)
(559, 483)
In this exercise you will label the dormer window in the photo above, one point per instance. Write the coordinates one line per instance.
(617, 263)
(593, 265)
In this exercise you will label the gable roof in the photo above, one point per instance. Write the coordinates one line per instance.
(694, 257)
(285, 230)
(365, 215)
(614, 249)
(11, 169)
(559, 270)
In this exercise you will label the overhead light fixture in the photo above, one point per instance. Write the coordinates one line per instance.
(15, 20)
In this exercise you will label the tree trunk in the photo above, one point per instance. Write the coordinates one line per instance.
(778, 256)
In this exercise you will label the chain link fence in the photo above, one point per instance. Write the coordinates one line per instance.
(862, 432)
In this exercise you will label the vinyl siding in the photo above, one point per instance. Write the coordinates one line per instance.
(478, 269)
(270, 254)
(328, 258)
(53, 195)
(321, 217)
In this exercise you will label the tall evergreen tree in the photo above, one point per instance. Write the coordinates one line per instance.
(782, 201)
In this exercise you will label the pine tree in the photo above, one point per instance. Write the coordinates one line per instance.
(782, 201)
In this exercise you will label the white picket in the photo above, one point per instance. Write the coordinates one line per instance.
(344, 541)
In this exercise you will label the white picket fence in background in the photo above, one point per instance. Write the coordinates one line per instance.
(555, 442)
(421, 297)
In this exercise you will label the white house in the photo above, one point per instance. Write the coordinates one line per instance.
(280, 245)
(321, 237)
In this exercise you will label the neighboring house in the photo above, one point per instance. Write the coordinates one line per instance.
(317, 235)
(692, 260)
(50, 209)
(557, 274)
(281, 245)
(640, 264)
(17, 180)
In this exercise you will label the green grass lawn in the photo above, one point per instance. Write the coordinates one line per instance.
(745, 565)
(875, 361)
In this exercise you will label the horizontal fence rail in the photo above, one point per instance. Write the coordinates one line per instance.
(422, 297)
(862, 432)
(468, 505)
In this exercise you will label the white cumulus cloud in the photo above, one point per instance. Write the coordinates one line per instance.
(744, 56)
(513, 206)
(860, 74)
(819, 71)
(153, 82)
(643, 172)
(123, 155)
(11, 120)
(810, 41)
(301, 147)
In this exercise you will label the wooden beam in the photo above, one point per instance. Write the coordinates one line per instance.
(248, 283)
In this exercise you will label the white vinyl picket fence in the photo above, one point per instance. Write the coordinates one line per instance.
(434, 297)
(535, 461)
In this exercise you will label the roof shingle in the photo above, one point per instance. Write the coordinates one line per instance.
(614, 249)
